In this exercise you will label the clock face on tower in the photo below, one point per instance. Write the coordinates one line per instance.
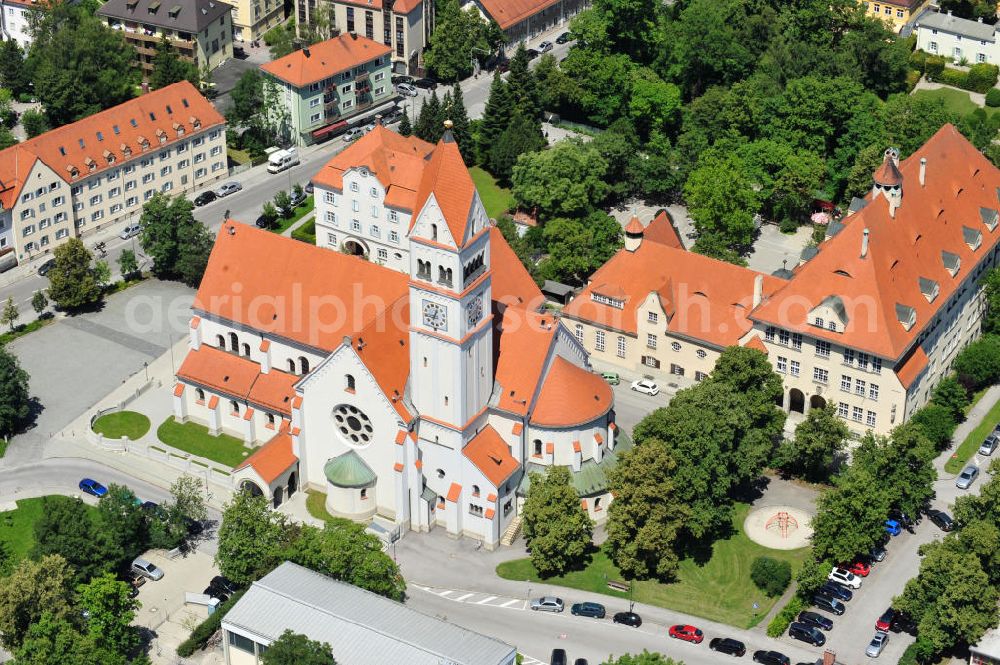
(474, 310)
(435, 315)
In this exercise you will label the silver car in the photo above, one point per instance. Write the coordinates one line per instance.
(547, 604)
(877, 644)
(967, 477)
(406, 90)
(990, 444)
(353, 134)
(227, 188)
(147, 569)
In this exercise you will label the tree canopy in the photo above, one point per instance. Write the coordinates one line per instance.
(15, 400)
(297, 649)
(178, 243)
(73, 281)
(558, 531)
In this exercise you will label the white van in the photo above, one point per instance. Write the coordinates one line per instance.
(282, 159)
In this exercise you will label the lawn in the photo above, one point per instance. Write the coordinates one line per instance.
(496, 199)
(316, 505)
(956, 101)
(17, 527)
(26, 328)
(301, 211)
(306, 232)
(195, 439)
(973, 441)
(718, 590)
(122, 423)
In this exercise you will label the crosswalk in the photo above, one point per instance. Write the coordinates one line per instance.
(476, 598)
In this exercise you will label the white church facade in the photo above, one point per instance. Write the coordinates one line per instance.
(422, 390)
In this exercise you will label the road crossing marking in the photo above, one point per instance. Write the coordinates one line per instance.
(461, 599)
(486, 600)
(475, 598)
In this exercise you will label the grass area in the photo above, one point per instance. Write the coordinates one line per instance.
(122, 423)
(719, 590)
(22, 330)
(3, 447)
(976, 396)
(195, 439)
(496, 199)
(956, 101)
(973, 441)
(238, 156)
(316, 505)
(17, 527)
(306, 232)
(300, 211)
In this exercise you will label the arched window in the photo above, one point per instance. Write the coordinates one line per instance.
(270, 419)
(199, 394)
(234, 342)
(220, 341)
(475, 490)
(246, 349)
(291, 366)
(537, 443)
(364, 494)
(349, 382)
(235, 406)
(434, 231)
(304, 364)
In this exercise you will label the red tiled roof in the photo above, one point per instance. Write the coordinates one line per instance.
(755, 343)
(272, 459)
(525, 341)
(274, 391)
(178, 390)
(323, 60)
(661, 230)
(511, 282)
(634, 226)
(570, 396)
(912, 367)
(447, 179)
(508, 13)
(235, 376)
(384, 348)
(888, 173)
(491, 455)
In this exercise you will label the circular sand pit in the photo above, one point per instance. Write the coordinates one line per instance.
(779, 527)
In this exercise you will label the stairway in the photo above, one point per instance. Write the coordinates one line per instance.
(513, 529)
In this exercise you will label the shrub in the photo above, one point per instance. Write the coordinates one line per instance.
(993, 97)
(954, 77)
(918, 60)
(788, 614)
(912, 79)
(933, 66)
(771, 576)
(204, 631)
(788, 226)
(982, 77)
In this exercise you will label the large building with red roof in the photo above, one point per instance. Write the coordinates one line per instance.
(521, 20)
(422, 392)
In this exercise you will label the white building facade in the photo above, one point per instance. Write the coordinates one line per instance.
(957, 38)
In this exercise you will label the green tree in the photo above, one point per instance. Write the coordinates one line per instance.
(457, 38)
(10, 314)
(123, 521)
(497, 115)
(297, 649)
(65, 528)
(14, 73)
(850, 518)
(127, 263)
(405, 128)
(522, 135)
(972, 9)
(102, 274)
(110, 611)
(178, 243)
(558, 532)
(72, 282)
(978, 364)
(817, 441)
(246, 98)
(576, 248)
(429, 125)
(771, 576)
(56, 641)
(654, 104)
(644, 658)
(251, 538)
(168, 67)
(460, 125)
(936, 422)
(951, 394)
(813, 574)
(34, 123)
(283, 204)
(34, 586)
(646, 516)
(522, 85)
(722, 202)
(15, 402)
(39, 302)
(567, 180)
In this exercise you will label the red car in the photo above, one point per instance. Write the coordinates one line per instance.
(884, 622)
(687, 633)
(859, 568)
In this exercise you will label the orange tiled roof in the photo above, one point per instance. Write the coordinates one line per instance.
(525, 341)
(488, 451)
(273, 458)
(661, 230)
(906, 253)
(238, 377)
(298, 276)
(397, 161)
(448, 179)
(454, 492)
(384, 348)
(704, 298)
(323, 60)
(755, 343)
(511, 283)
(634, 226)
(912, 367)
(508, 13)
(888, 173)
(570, 396)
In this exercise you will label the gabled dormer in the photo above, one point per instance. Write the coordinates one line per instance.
(906, 315)
(929, 288)
(829, 314)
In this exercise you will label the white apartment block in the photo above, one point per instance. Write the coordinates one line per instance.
(957, 38)
(14, 16)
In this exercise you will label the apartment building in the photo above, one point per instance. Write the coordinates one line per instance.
(99, 170)
(14, 20)
(957, 38)
(521, 20)
(201, 31)
(252, 18)
(895, 13)
(327, 85)
(403, 25)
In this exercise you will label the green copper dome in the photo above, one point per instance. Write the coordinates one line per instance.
(349, 471)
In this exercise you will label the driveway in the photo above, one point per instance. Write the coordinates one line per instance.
(774, 250)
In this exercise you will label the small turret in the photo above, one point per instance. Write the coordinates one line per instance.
(888, 181)
(633, 234)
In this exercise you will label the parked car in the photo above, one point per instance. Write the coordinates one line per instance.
(612, 378)
(904, 520)
(646, 387)
(401, 78)
(227, 188)
(264, 222)
(205, 197)
(353, 134)
(878, 553)
(532, 54)
(545, 47)
(884, 622)
(828, 604)
(547, 604)
(875, 647)
(563, 38)
(845, 577)
(595, 610)
(967, 477)
(392, 117)
(558, 657)
(808, 634)
(221, 588)
(686, 633)
(146, 569)
(858, 567)
(297, 199)
(770, 658)
(941, 519)
(426, 83)
(627, 619)
(308, 189)
(406, 89)
(728, 645)
(93, 488)
(580, 661)
(892, 528)
(44, 269)
(990, 444)
(903, 623)
(837, 590)
(130, 231)
(815, 619)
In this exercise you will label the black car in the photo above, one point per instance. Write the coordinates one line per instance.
(728, 645)
(563, 38)
(903, 623)
(627, 619)
(941, 519)
(402, 78)
(264, 222)
(580, 661)
(221, 588)
(532, 53)
(44, 269)
(835, 590)
(770, 658)
(816, 620)
(828, 604)
(395, 115)
(809, 634)
(595, 610)
(904, 520)
(558, 657)
(297, 199)
(309, 188)
(426, 83)
(205, 197)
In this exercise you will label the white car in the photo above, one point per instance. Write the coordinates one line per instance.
(353, 134)
(845, 577)
(877, 644)
(406, 90)
(227, 188)
(645, 386)
(147, 569)
(129, 231)
(545, 47)
(547, 604)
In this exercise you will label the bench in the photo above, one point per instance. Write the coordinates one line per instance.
(618, 586)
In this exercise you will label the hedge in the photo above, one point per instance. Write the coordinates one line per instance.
(980, 78)
(933, 66)
(918, 60)
(771, 576)
(993, 97)
(913, 78)
(788, 614)
(203, 632)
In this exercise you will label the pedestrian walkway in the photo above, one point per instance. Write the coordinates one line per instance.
(302, 222)
(972, 420)
(476, 597)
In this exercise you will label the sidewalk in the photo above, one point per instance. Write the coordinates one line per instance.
(972, 420)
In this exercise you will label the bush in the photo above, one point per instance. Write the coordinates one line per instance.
(771, 575)
(978, 364)
(933, 66)
(993, 97)
(936, 423)
(918, 60)
(788, 226)
(204, 631)
(912, 79)
(953, 77)
(982, 77)
(788, 614)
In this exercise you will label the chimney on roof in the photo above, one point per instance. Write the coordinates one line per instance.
(923, 170)
(353, 34)
(864, 244)
(758, 290)
(888, 181)
(305, 51)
